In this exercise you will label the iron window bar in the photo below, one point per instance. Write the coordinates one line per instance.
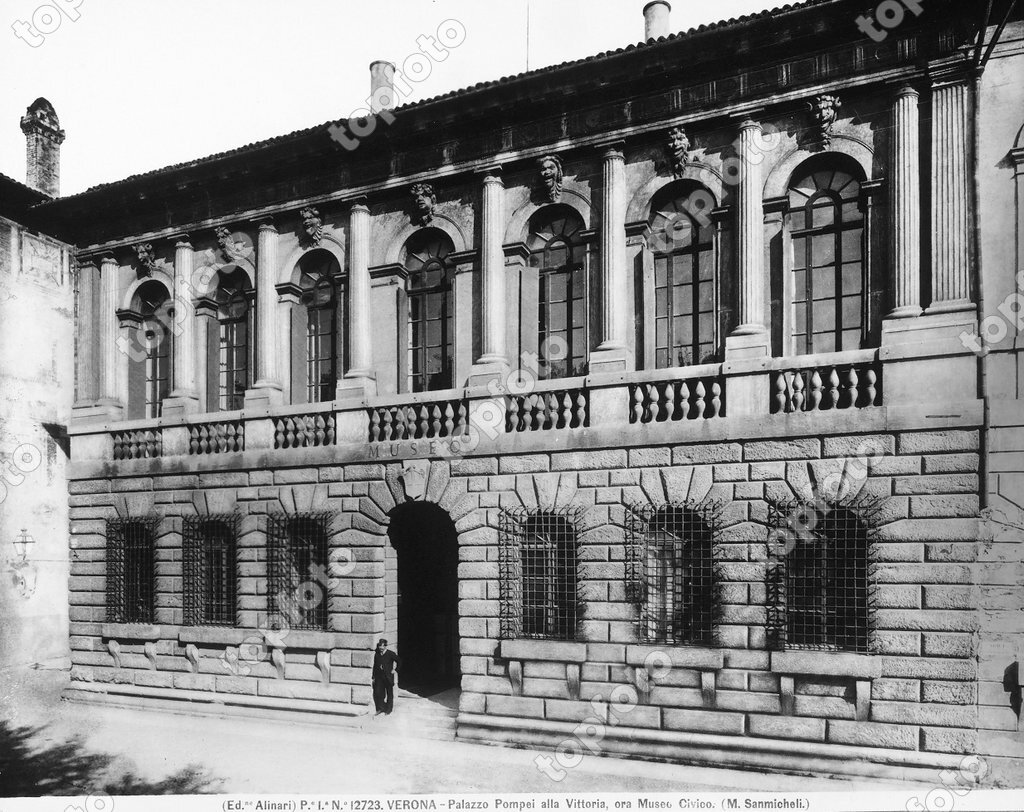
(131, 570)
(297, 547)
(210, 564)
(819, 582)
(538, 566)
(672, 571)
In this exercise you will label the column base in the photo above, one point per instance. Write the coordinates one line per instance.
(930, 327)
(905, 312)
(263, 396)
(178, 406)
(90, 415)
(953, 306)
(610, 361)
(357, 386)
(748, 344)
(487, 370)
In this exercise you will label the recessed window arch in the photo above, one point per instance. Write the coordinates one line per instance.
(151, 359)
(562, 256)
(319, 275)
(235, 318)
(830, 289)
(431, 312)
(686, 288)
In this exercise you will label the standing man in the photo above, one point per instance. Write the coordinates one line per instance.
(385, 671)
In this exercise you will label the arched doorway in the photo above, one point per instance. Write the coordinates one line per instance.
(423, 596)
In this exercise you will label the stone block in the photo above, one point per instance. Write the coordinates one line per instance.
(786, 727)
(588, 460)
(702, 721)
(951, 463)
(859, 445)
(949, 693)
(520, 706)
(872, 734)
(948, 740)
(912, 713)
(707, 454)
(769, 450)
(938, 442)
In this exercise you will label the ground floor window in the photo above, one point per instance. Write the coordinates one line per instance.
(297, 570)
(210, 571)
(131, 571)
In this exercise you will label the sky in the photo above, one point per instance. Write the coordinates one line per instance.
(142, 84)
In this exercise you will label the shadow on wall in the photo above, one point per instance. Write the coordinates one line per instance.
(32, 766)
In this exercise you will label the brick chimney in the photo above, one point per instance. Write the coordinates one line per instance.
(657, 20)
(382, 86)
(43, 137)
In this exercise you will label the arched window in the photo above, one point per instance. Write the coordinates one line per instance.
(431, 311)
(683, 243)
(826, 589)
(234, 315)
(318, 281)
(149, 371)
(562, 259)
(675, 550)
(826, 226)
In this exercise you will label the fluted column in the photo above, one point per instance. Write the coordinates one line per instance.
(612, 352)
(750, 243)
(905, 204)
(360, 377)
(111, 357)
(951, 223)
(267, 390)
(493, 287)
(184, 397)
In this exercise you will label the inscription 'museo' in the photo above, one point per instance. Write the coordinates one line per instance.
(418, 448)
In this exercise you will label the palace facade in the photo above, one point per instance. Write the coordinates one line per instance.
(640, 399)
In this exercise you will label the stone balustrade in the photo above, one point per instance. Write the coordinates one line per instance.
(673, 403)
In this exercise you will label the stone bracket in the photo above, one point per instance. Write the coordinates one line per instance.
(515, 676)
(150, 649)
(863, 700)
(642, 681)
(323, 662)
(787, 695)
(708, 680)
(115, 651)
(572, 679)
(277, 658)
(192, 655)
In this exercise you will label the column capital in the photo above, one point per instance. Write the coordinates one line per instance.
(490, 173)
(108, 259)
(183, 242)
(613, 149)
(359, 204)
(745, 119)
(266, 224)
(904, 88)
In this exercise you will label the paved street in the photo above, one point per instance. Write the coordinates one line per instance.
(159, 752)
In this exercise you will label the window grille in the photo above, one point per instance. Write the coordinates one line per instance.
(131, 570)
(210, 570)
(672, 571)
(297, 571)
(818, 578)
(538, 566)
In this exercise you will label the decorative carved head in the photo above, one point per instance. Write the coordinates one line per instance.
(424, 199)
(826, 112)
(226, 241)
(147, 259)
(679, 150)
(551, 177)
(313, 224)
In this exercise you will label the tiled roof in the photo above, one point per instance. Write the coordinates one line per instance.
(481, 86)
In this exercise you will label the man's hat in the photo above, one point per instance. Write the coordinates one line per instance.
(382, 640)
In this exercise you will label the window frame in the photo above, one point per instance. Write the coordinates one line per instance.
(198, 543)
(131, 548)
(282, 571)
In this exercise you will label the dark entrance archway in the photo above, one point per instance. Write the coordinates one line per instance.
(426, 542)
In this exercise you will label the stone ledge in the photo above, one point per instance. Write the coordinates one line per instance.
(681, 656)
(555, 651)
(826, 664)
(776, 755)
(227, 636)
(133, 631)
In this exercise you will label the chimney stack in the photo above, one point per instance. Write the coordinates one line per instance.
(382, 86)
(657, 20)
(43, 137)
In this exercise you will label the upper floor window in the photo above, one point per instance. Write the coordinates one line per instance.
(318, 280)
(431, 311)
(131, 571)
(149, 371)
(826, 223)
(683, 243)
(561, 256)
(235, 321)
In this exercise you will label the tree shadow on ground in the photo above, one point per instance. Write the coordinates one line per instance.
(30, 767)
